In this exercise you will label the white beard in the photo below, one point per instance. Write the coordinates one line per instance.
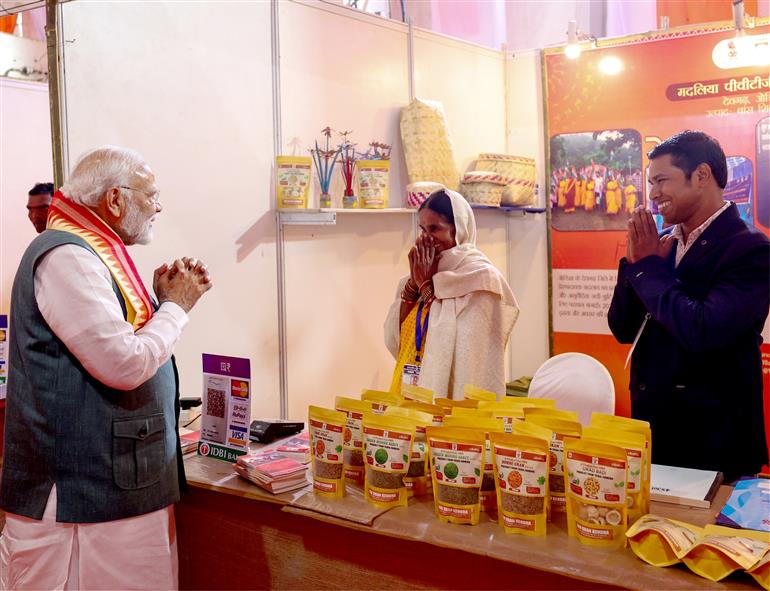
(135, 229)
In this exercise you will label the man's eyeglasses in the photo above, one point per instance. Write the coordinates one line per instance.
(153, 198)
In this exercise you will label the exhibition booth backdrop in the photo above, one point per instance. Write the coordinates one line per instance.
(606, 110)
(210, 107)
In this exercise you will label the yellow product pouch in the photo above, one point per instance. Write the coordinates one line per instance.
(417, 479)
(486, 425)
(596, 503)
(326, 428)
(521, 480)
(459, 411)
(635, 444)
(599, 418)
(388, 444)
(474, 393)
(373, 183)
(417, 393)
(660, 541)
(563, 431)
(353, 440)
(505, 412)
(526, 401)
(603, 420)
(381, 400)
(554, 413)
(761, 572)
(292, 181)
(432, 409)
(723, 550)
(456, 461)
(516, 402)
(448, 404)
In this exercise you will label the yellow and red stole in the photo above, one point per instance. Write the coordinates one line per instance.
(67, 216)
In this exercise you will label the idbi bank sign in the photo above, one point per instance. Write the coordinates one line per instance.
(226, 411)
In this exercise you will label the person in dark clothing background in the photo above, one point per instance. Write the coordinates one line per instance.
(694, 299)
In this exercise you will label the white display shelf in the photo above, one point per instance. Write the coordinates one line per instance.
(328, 216)
(518, 209)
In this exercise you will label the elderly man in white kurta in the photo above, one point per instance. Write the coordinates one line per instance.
(92, 461)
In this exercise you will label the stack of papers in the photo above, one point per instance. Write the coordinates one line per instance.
(296, 448)
(684, 486)
(272, 471)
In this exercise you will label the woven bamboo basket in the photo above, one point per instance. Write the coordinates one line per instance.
(516, 167)
(417, 193)
(519, 193)
(427, 148)
(483, 187)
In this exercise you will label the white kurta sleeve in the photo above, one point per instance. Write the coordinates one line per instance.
(73, 289)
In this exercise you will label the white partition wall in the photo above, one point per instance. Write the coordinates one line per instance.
(25, 159)
(528, 244)
(345, 70)
(195, 98)
(469, 82)
(349, 71)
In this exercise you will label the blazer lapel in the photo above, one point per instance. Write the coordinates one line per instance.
(719, 230)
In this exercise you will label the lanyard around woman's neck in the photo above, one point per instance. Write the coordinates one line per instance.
(420, 330)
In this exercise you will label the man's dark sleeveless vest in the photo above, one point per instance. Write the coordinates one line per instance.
(112, 454)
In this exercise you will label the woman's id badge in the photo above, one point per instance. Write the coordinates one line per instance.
(411, 374)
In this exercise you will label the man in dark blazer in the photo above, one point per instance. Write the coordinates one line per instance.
(694, 300)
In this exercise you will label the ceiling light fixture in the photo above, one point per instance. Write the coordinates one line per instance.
(577, 41)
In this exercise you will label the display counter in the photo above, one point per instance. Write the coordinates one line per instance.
(232, 535)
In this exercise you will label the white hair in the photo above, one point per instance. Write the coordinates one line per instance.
(99, 170)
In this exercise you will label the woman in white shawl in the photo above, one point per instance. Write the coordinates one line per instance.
(454, 312)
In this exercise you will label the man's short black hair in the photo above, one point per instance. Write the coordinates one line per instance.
(690, 148)
(42, 189)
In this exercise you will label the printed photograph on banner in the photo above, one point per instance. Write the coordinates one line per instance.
(596, 179)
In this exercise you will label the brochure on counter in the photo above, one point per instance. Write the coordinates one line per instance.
(272, 471)
(279, 467)
(684, 486)
(748, 506)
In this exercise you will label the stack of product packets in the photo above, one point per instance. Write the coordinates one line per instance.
(272, 470)
(296, 448)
